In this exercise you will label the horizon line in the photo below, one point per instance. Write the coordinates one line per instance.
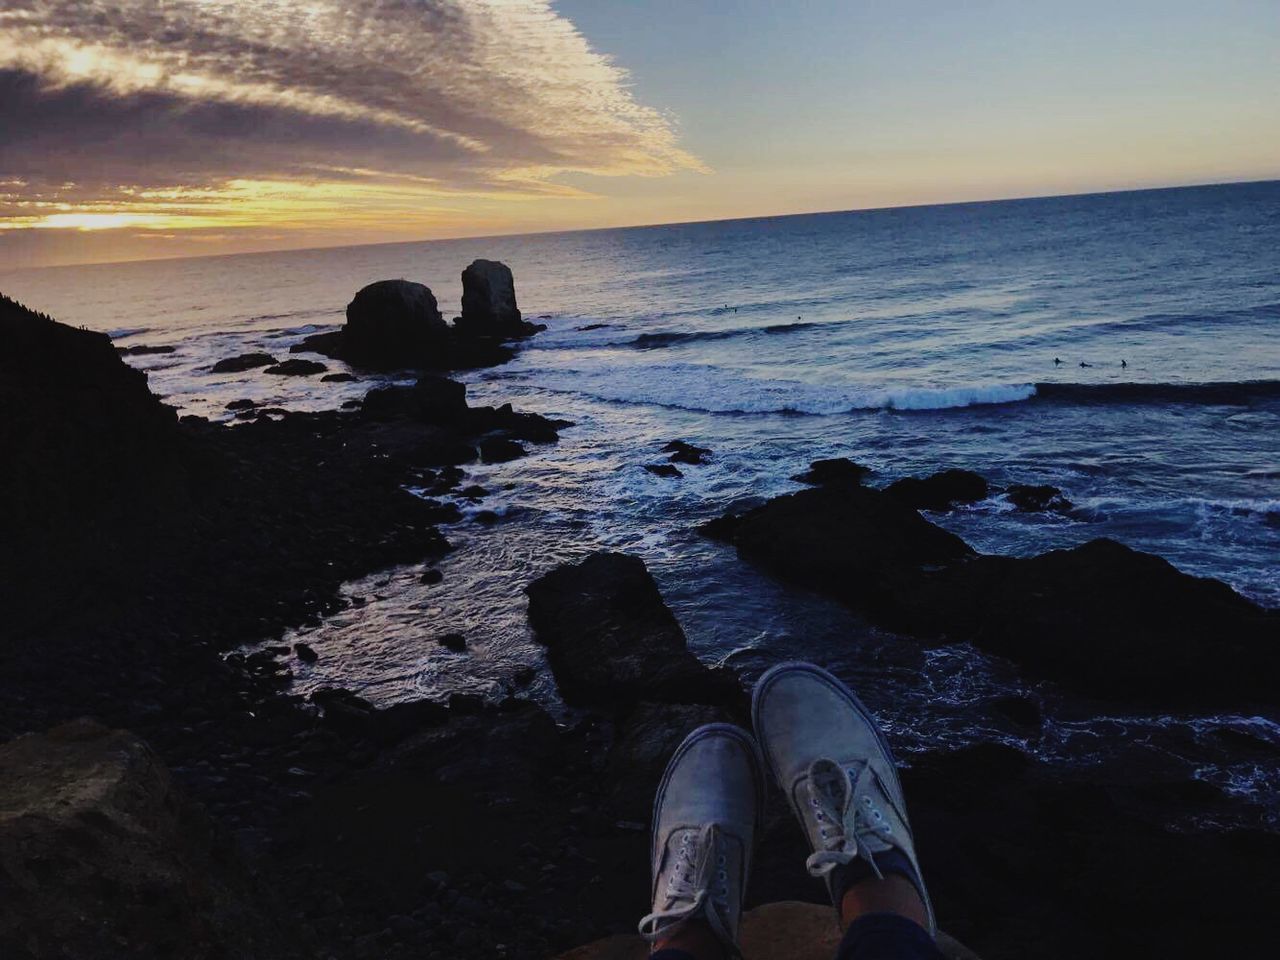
(646, 226)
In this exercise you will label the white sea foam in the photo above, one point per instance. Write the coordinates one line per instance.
(717, 390)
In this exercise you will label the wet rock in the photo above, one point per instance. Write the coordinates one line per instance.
(142, 350)
(682, 452)
(433, 399)
(663, 470)
(611, 640)
(338, 378)
(431, 576)
(489, 303)
(246, 361)
(835, 472)
(1105, 619)
(296, 368)
(939, 491)
(1037, 498)
(849, 540)
(486, 517)
(500, 450)
(305, 653)
(453, 641)
(1022, 711)
(244, 404)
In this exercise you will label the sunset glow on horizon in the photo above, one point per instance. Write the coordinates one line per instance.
(134, 130)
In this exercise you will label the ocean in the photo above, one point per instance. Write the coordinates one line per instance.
(907, 339)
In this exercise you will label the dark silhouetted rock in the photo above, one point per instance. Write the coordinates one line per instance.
(296, 368)
(682, 452)
(142, 350)
(305, 653)
(1022, 711)
(849, 539)
(338, 378)
(489, 303)
(1105, 619)
(841, 470)
(500, 450)
(1037, 498)
(611, 640)
(104, 857)
(246, 361)
(243, 404)
(394, 324)
(453, 641)
(430, 577)
(433, 399)
(940, 491)
(663, 469)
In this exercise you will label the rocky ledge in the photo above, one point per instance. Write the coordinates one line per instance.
(1104, 619)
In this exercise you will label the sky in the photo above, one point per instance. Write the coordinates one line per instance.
(135, 129)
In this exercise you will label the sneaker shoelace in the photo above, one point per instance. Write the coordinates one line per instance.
(850, 821)
(698, 887)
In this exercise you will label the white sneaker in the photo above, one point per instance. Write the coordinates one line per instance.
(705, 819)
(832, 762)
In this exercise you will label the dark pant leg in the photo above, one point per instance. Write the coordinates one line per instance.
(887, 936)
(670, 954)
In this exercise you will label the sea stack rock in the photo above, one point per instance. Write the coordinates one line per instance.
(394, 324)
(489, 302)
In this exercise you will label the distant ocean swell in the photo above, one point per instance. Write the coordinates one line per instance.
(717, 390)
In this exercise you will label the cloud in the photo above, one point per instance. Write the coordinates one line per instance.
(191, 111)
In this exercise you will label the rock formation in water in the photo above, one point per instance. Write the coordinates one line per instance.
(489, 303)
(611, 640)
(1101, 618)
(396, 325)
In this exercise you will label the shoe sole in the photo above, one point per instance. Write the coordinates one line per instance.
(828, 678)
(757, 767)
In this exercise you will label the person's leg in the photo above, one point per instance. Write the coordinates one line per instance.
(704, 825)
(835, 768)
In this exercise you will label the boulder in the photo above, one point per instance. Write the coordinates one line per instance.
(1037, 498)
(433, 399)
(489, 302)
(849, 540)
(664, 470)
(500, 450)
(143, 350)
(941, 491)
(101, 856)
(394, 324)
(1105, 619)
(296, 368)
(246, 361)
(833, 472)
(612, 642)
(682, 452)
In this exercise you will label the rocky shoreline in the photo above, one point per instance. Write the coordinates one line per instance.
(145, 550)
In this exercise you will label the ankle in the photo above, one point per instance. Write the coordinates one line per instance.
(695, 938)
(891, 894)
